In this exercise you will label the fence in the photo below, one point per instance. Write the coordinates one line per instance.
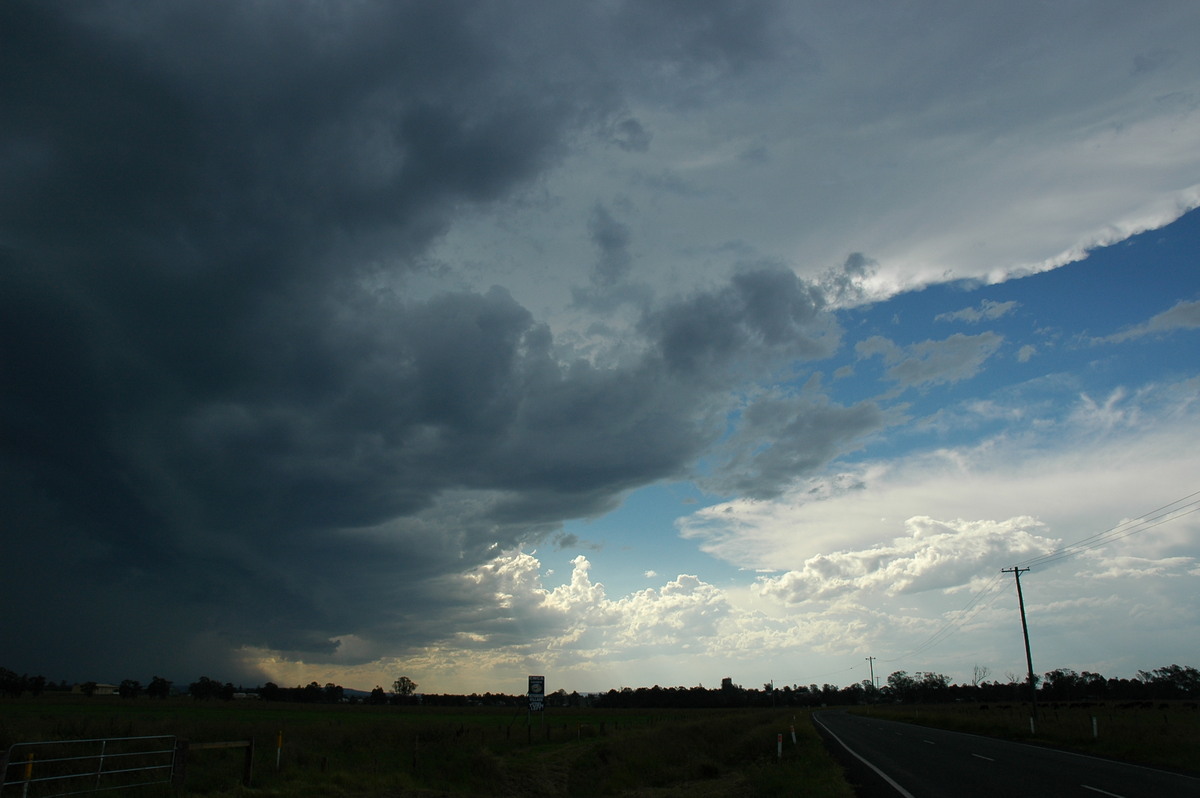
(75, 767)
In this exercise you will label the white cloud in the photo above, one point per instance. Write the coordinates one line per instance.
(1074, 473)
(931, 555)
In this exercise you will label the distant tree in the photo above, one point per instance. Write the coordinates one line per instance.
(88, 689)
(334, 693)
(158, 688)
(129, 688)
(980, 674)
(1063, 684)
(271, 692)
(404, 686)
(11, 684)
(1095, 683)
(932, 687)
(901, 686)
(1173, 681)
(205, 688)
(378, 696)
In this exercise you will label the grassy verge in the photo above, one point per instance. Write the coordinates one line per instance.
(416, 751)
(1162, 734)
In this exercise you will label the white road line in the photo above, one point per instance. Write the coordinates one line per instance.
(929, 742)
(981, 756)
(881, 774)
(1102, 792)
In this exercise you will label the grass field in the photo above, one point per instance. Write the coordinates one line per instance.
(344, 750)
(1162, 734)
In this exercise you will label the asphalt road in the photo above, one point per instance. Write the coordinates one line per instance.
(920, 762)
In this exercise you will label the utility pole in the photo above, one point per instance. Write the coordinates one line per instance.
(871, 660)
(1016, 572)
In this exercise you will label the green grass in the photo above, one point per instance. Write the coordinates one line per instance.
(1163, 734)
(343, 750)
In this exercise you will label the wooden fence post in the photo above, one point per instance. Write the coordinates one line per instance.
(179, 765)
(249, 771)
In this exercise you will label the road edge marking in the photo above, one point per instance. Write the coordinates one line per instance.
(859, 757)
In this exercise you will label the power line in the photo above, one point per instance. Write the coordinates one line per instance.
(1161, 515)
(969, 611)
(1168, 512)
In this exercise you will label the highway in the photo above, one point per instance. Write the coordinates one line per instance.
(921, 762)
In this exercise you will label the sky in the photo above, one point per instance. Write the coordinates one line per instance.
(626, 343)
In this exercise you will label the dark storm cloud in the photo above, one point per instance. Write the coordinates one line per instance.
(214, 434)
(784, 438)
(629, 135)
(767, 311)
(611, 238)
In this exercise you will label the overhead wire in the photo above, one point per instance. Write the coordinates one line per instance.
(1161, 515)
(1168, 512)
(972, 608)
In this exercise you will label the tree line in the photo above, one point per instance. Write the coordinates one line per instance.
(923, 687)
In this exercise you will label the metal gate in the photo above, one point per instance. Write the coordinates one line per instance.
(74, 767)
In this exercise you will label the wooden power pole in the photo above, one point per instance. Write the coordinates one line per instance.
(1016, 572)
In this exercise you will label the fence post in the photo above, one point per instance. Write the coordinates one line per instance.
(28, 775)
(249, 771)
(100, 763)
(179, 764)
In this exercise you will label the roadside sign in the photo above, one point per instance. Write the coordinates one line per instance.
(537, 693)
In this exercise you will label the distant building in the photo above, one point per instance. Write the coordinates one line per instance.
(98, 689)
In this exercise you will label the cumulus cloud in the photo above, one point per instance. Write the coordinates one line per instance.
(932, 555)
